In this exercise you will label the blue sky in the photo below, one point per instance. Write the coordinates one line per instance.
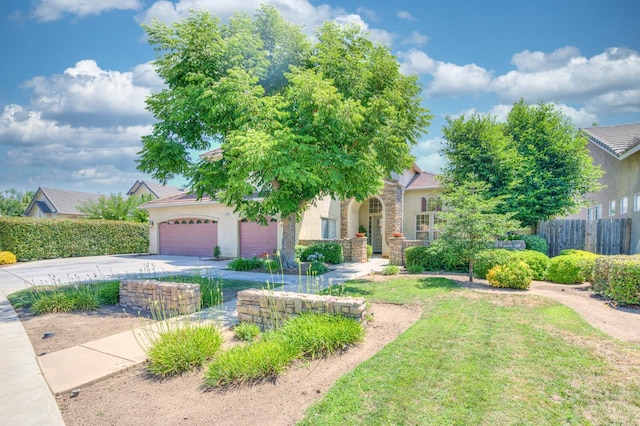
(75, 74)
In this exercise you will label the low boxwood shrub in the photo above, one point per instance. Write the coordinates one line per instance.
(7, 258)
(317, 268)
(391, 270)
(618, 278)
(514, 274)
(571, 267)
(434, 257)
(332, 252)
(245, 263)
(183, 349)
(537, 261)
(487, 259)
(369, 251)
(414, 269)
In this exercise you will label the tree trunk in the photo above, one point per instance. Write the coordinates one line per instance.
(470, 270)
(288, 249)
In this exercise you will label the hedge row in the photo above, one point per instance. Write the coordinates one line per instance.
(36, 238)
(618, 277)
(332, 252)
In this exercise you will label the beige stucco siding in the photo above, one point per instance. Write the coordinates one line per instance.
(412, 208)
(310, 228)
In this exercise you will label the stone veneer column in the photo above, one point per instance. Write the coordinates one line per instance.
(392, 199)
(396, 251)
(359, 249)
(344, 218)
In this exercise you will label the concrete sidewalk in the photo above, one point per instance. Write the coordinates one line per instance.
(28, 385)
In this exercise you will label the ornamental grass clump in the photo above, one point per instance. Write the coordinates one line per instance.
(515, 274)
(183, 349)
(246, 331)
(391, 270)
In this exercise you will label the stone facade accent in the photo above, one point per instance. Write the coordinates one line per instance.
(511, 245)
(267, 307)
(392, 202)
(168, 296)
(397, 246)
(352, 248)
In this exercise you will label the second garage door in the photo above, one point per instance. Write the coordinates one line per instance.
(188, 237)
(256, 240)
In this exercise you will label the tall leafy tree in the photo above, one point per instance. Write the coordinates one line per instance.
(116, 207)
(472, 222)
(295, 120)
(14, 202)
(537, 159)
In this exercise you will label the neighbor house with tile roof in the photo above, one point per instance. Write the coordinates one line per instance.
(58, 203)
(408, 203)
(142, 187)
(616, 149)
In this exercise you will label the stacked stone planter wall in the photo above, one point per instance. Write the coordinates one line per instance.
(266, 307)
(167, 296)
(511, 245)
(353, 249)
(397, 246)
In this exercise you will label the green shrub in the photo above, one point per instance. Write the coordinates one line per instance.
(369, 251)
(487, 259)
(246, 331)
(7, 258)
(245, 264)
(109, 293)
(319, 335)
(298, 252)
(577, 252)
(535, 243)
(332, 252)
(183, 349)
(618, 277)
(317, 268)
(575, 267)
(434, 257)
(414, 269)
(391, 270)
(37, 238)
(216, 252)
(537, 261)
(514, 274)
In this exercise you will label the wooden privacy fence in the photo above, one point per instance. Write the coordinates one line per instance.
(602, 236)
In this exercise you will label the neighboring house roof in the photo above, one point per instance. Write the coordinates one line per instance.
(60, 201)
(621, 140)
(157, 189)
(424, 180)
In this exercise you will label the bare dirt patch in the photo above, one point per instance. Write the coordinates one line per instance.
(134, 398)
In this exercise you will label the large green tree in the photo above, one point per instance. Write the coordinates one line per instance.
(116, 207)
(14, 202)
(295, 120)
(538, 158)
(472, 221)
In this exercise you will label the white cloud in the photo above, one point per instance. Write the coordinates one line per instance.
(416, 39)
(369, 13)
(619, 101)
(376, 35)
(403, 14)
(428, 155)
(580, 79)
(448, 79)
(51, 10)
(579, 117)
(86, 93)
(527, 61)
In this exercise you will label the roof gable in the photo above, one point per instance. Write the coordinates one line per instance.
(621, 140)
(60, 201)
(157, 189)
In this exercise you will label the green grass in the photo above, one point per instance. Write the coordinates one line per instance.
(485, 359)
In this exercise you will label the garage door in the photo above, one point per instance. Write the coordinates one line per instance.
(256, 240)
(188, 237)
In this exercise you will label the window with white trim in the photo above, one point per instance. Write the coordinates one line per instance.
(636, 202)
(598, 212)
(612, 208)
(328, 228)
(624, 205)
(422, 227)
(589, 213)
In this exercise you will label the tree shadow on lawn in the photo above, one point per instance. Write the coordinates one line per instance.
(437, 283)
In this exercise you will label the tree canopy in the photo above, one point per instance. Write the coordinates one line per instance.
(537, 160)
(295, 119)
(471, 220)
(116, 207)
(14, 202)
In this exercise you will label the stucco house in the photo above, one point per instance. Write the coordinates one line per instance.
(409, 203)
(58, 203)
(617, 150)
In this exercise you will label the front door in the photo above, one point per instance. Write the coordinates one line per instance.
(375, 233)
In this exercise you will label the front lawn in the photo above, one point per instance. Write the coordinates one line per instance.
(477, 358)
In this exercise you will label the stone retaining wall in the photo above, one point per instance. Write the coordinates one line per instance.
(266, 307)
(511, 245)
(397, 246)
(168, 296)
(353, 249)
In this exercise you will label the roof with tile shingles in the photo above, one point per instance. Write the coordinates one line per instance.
(159, 190)
(620, 140)
(62, 201)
